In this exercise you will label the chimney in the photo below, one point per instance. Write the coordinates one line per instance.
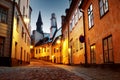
(62, 19)
(66, 11)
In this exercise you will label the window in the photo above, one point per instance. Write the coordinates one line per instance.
(76, 16)
(45, 49)
(79, 14)
(90, 16)
(36, 51)
(73, 21)
(70, 25)
(54, 50)
(108, 50)
(92, 54)
(1, 46)
(3, 15)
(103, 4)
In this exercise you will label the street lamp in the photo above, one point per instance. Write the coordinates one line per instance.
(31, 47)
(58, 41)
(26, 20)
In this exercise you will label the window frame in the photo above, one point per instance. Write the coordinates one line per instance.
(3, 12)
(103, 6)
(93, 55)
(89, 15)
(108, 54)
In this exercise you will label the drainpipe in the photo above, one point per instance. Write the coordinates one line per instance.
(86, 62)
(11, 35)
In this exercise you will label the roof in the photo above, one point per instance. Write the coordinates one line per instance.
(43, 41)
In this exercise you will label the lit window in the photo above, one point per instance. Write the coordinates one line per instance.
(92, 54)
(3, 15)
(90, 16)
(103, 6)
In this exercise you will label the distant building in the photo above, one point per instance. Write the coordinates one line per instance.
(14, 32)
(57, 47)
(43, 48)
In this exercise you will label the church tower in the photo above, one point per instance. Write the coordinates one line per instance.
(53, 27)
(38, 33)
(39, 24)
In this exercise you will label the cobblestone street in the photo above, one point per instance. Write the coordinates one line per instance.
(37, 70)
(41, 70)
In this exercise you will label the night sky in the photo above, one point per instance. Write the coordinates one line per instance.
(46, 7)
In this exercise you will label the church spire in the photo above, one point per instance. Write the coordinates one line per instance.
(39, 23)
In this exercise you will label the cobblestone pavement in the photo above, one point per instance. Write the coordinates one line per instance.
(37, 70)
(93, 73)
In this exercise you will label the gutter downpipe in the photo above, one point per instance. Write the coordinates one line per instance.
(13, 10)
(86, 62)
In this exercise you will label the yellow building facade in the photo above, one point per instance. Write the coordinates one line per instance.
(43, 52)
(21, 33)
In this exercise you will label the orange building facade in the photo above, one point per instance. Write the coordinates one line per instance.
(102, 20)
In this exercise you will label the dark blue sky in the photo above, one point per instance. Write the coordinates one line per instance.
(47, 7)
